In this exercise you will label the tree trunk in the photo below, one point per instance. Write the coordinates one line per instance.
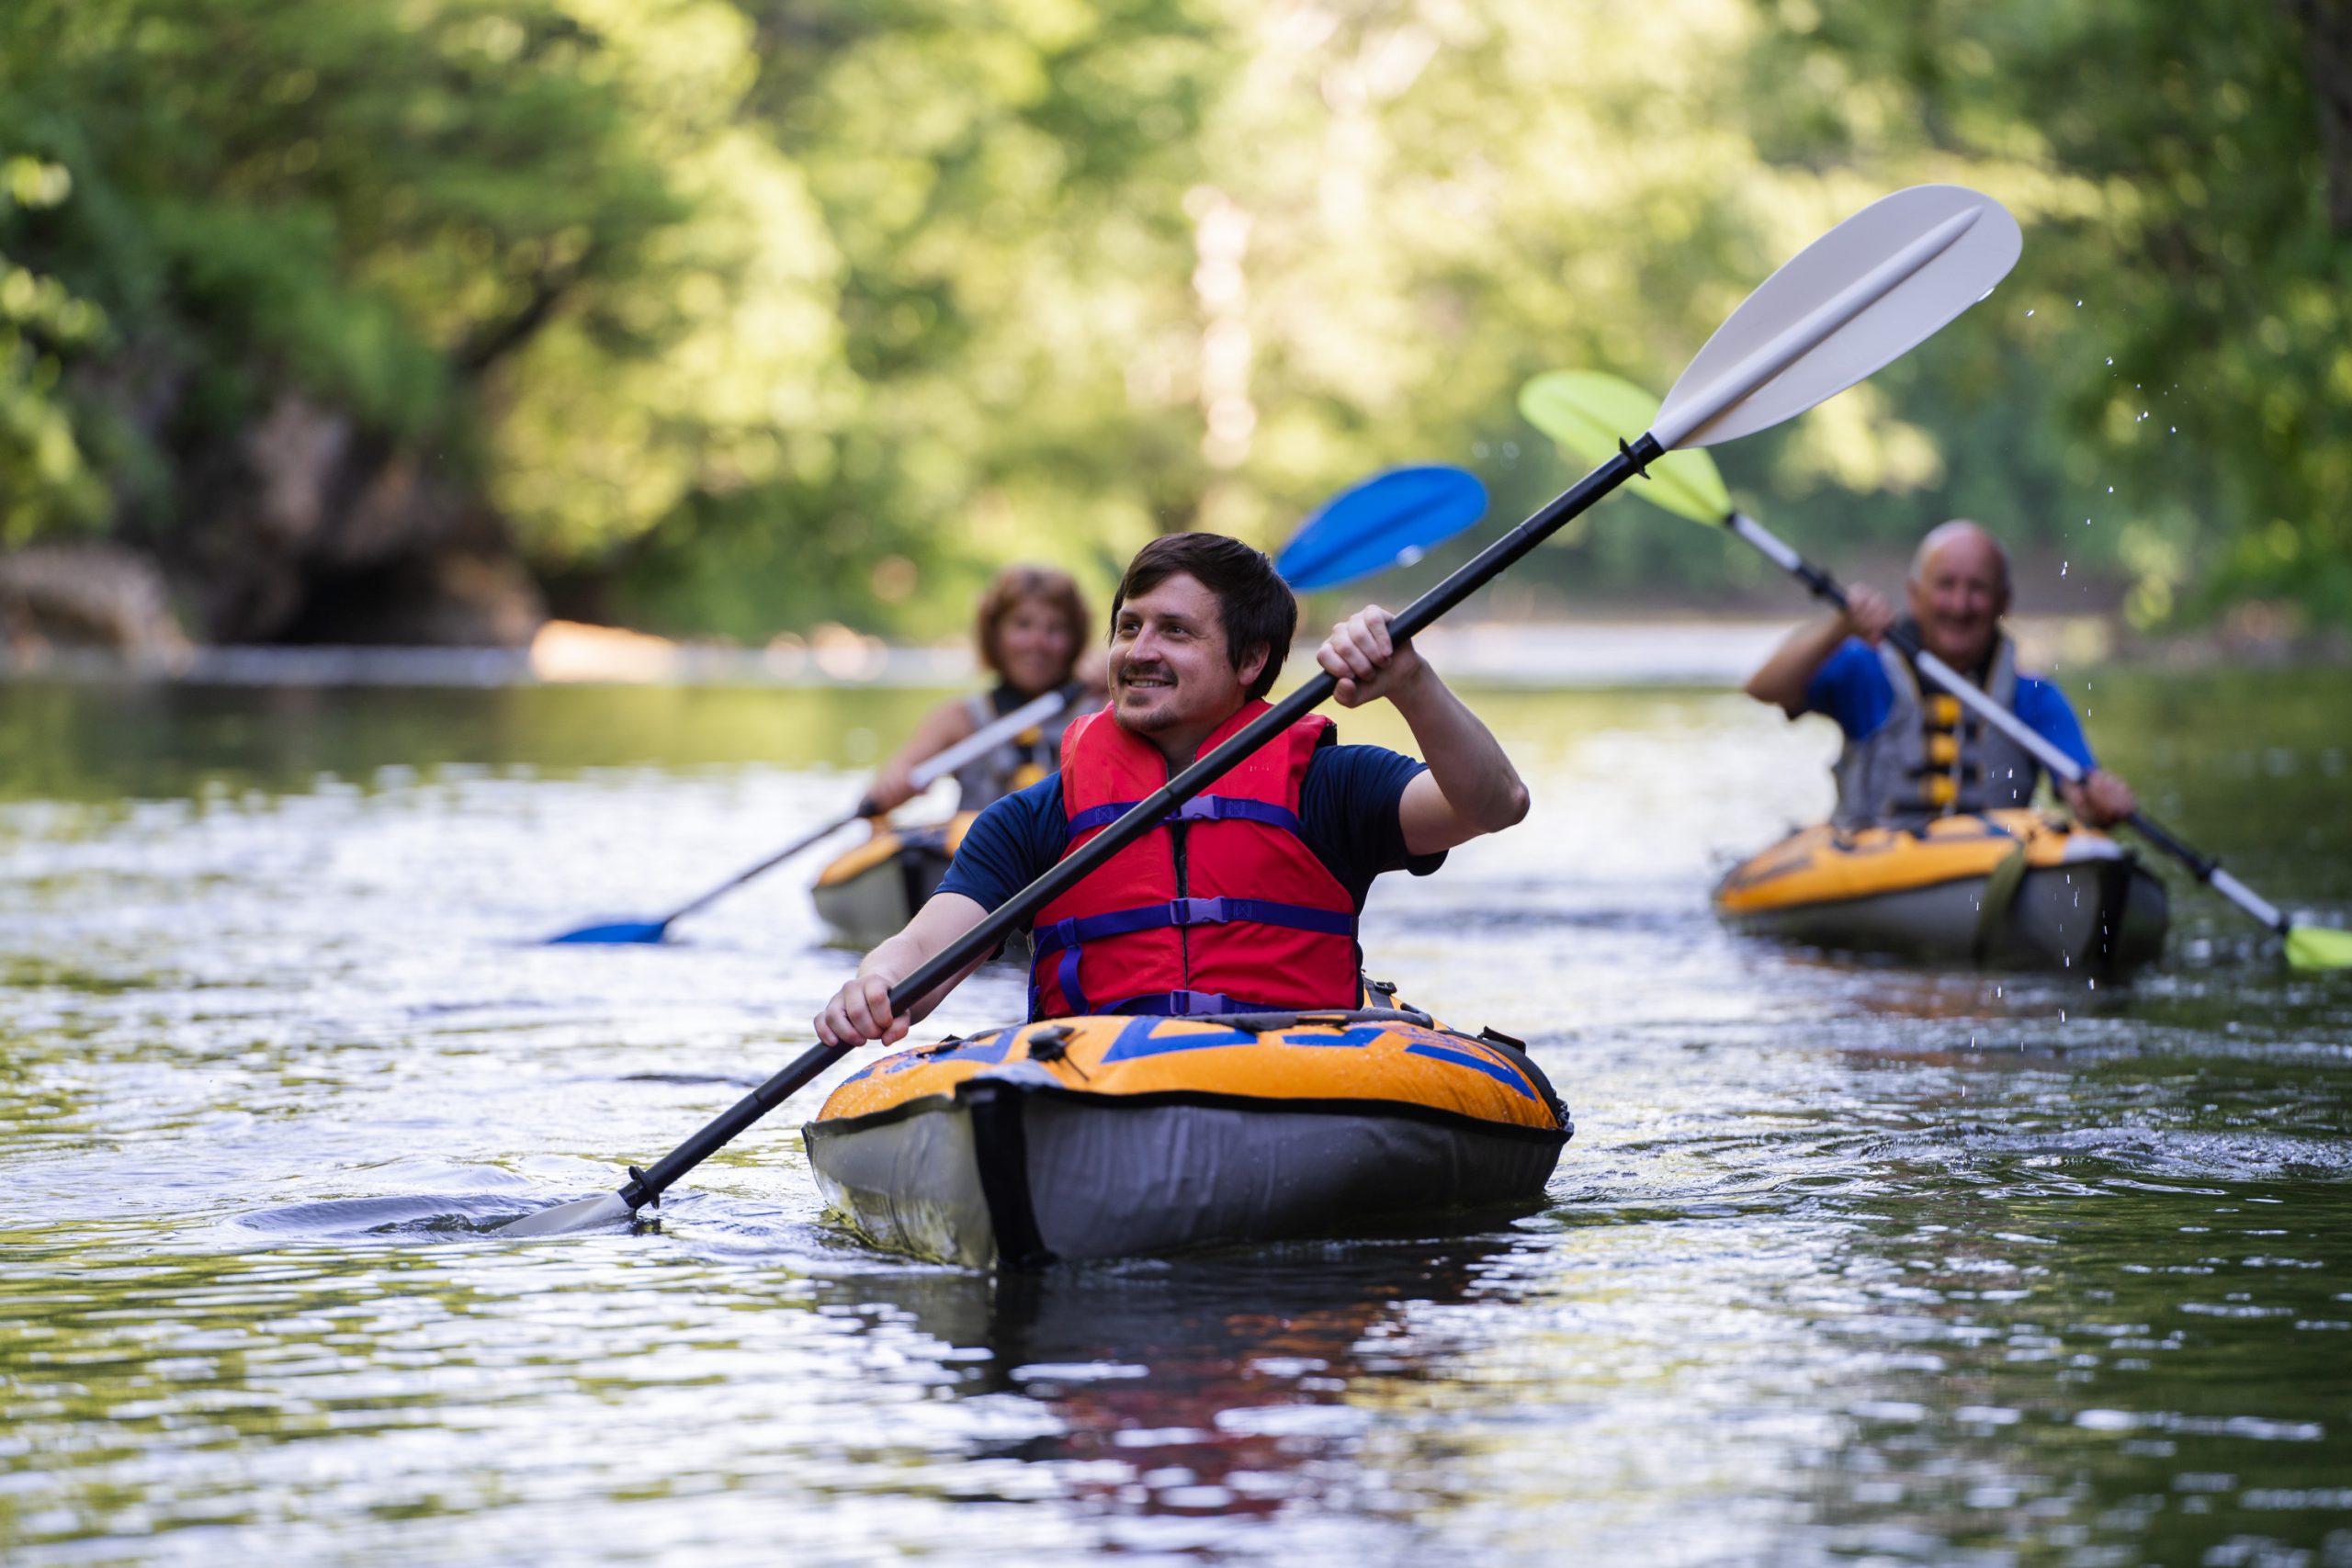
(308, 529)
(2327, 34)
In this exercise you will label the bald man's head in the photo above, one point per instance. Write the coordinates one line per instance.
(1973, 537)
(1959, 591)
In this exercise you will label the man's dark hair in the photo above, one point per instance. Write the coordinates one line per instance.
(1252, 601)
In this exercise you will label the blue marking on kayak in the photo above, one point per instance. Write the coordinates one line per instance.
(1494, 1070)
(990, 1050)
(1140, 1038)
(1356, 1035)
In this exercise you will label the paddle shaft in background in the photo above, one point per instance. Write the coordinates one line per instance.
(929, 772)
(645, 1186)
(1036, 711)
(1825, 587)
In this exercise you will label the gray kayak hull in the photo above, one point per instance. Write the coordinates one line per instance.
(1016, 1170)
(2097, 916)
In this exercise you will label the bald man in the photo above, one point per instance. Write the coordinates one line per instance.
(1912, 750)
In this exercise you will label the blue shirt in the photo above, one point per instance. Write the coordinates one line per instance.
(1347, 809)
(1851, 687)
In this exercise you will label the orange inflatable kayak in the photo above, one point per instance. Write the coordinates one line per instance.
(1113, 1136)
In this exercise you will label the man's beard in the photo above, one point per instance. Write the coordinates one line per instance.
(1152, 720)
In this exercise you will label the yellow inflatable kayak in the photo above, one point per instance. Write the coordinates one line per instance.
(2004, 889)
(871, 891)
(1117, 1137)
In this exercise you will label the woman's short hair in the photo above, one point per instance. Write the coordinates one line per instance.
(1012, 585)
(1256, 605)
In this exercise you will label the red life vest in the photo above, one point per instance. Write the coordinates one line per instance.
(1253, 922)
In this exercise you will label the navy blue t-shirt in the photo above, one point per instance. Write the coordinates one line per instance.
(1347, 811)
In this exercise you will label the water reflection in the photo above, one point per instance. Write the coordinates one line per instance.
(1228, 1386)
(1848, 1259)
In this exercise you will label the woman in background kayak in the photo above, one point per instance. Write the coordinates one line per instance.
(1032, 628)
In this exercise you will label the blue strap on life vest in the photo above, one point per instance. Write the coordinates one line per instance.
(1185, 1004)
(1070, 933)
(1068, 936)
(1200, 808)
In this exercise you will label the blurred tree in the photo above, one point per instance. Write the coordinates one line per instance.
(1003, 188)
(736, 315)
(321, 234)
(2187, 267)
(46, 481)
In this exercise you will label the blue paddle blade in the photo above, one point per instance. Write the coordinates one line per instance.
(617, 931)
(1391, 519)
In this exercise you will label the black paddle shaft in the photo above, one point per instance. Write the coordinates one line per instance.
(644, 1186)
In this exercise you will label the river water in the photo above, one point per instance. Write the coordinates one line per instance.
(1846, 1262)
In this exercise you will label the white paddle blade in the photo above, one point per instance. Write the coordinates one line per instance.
(1862, 295)
(565, 1219)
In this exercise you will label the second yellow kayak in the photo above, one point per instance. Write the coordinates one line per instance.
(2002, 889)
(870, 892)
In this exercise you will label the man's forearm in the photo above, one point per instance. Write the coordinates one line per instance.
(943, 918)
(1783, 677)
(1468, 764)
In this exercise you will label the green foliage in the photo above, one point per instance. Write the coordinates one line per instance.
(46, 480)
(760, 313)
(373, 204)
(2190, 334)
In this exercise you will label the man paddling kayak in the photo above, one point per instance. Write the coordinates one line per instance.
(1248, 898)
(1911, 752)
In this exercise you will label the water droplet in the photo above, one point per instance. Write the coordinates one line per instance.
(2079, 304)
(2061, 568)
(2110, 359)
(2111, 489)
(2028, 312)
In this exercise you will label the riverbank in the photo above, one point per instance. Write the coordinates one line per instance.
(1650, 652)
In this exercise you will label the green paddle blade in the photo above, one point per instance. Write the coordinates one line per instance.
(2318, 947)
(1588, 412)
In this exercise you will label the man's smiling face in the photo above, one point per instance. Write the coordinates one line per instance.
(1959, 591)
(1170, 673)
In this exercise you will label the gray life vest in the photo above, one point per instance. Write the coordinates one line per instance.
(1018, 763)
(1932, 757)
